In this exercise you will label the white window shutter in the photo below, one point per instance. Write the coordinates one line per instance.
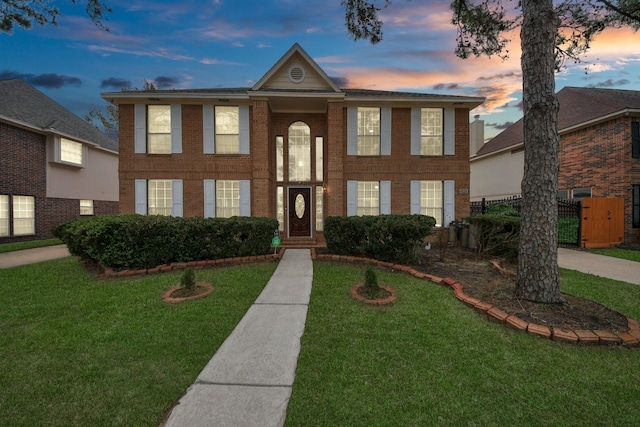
(449, 131)
(176, 198)
(449, 199)
(416, 191)
(141, 196)
(416, 131)
(245, 197)
(140, 131)
(209, 198)
(385, 131)
(352, 198)
(208, 132)
(385, 197)
(243, 118)
(176, 128)
(352, 131)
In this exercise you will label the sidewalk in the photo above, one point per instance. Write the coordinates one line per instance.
(248, 381)
(30, 256)
(599, 265)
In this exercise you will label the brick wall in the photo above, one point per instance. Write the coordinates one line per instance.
(600, 157)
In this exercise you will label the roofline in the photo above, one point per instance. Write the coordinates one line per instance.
(158, 96)
(623, 112)
(294, 94)
(52, 131)
(493, 153)
(454, 100)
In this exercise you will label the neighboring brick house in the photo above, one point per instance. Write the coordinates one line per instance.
(599, 153)
(54, 166)
(294, 147)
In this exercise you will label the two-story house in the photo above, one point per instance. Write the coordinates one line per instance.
(54, 166)
(295, 147)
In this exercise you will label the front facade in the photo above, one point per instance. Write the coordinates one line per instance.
(294, 147)
(599, 153)
(54, 167)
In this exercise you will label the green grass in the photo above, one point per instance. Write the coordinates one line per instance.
(430, 360)
(77, 351)
(18, 246)
(619, 253)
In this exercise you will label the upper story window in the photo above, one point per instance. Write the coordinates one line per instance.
(71, 152)
(158, 129)
(227, 123)
(431, 131)
(299, 152)
(368, 131)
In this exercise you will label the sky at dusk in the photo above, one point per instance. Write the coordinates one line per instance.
(193, 44)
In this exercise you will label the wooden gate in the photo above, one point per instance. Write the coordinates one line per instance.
(602, 222)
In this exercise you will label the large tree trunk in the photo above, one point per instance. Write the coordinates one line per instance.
(538, 278)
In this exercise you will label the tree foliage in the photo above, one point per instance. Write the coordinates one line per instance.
(550, 33)
(42, 12)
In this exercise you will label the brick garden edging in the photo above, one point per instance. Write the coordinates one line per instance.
(584, 337)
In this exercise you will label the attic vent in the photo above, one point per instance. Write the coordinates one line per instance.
(296, 74)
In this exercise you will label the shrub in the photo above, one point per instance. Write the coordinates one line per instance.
(501, 209)
(496, 235)
(371, 287)
(384, 237)
(188, 279)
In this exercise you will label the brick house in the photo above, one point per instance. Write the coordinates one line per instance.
(295, 147)
(54, 166)
(599, 153)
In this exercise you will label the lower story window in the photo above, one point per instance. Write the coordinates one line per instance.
(23, 215)
(4, 215)
(280, 207)
(431, 200)
(86, 207)
(319, 208)
(580, 193)
(636, 206)
(227, 198)
(368, 198)
(160, 197)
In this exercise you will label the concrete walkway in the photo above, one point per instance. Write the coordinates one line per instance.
(30, 256)
(599, 265)
(248, 381)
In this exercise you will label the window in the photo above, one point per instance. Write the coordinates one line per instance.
(635, 140)
(227, 130)
(160, 197)
(431, 200)
(636, 206)
(368, 198)
(279, 158)
(431, 131)
(280, 207)
(86, 207)
(319, 209)
(71, 152)
(563, 194)
(227, 198)
(159, 129)
(299, 152)
(580, 193)
(23, 215)
(4, 215)
(319, 158)
(368, 131)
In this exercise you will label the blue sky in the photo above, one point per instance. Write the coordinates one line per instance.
(226, 43)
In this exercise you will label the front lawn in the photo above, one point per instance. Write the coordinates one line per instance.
(619, 253)
(18, 246)
(87, 352)
(430, 360)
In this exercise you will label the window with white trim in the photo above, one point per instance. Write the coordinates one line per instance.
(227, 122)
(368, 131)
(86, 207)
(299, 152)
(4, 215)
(368, 198)
(159, 129)
(24, 222)
(71, 152)
(227, 198)
(319, 208)
(160, 200)
(431, 200)
(431, 131)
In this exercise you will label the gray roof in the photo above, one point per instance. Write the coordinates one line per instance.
(578, 106)
(22, 103)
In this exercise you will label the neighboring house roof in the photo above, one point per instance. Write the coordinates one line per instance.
(23, 105)
(578, 107)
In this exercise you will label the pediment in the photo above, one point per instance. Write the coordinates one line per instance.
(296, 71)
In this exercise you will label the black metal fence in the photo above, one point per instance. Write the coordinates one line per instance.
(569, 212)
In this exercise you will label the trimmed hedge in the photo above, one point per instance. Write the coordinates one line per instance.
(146, 241)
(385, 237)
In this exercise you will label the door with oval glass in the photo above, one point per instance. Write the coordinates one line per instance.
(300, 212)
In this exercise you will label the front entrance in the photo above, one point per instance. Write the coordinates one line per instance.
(299, 212)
